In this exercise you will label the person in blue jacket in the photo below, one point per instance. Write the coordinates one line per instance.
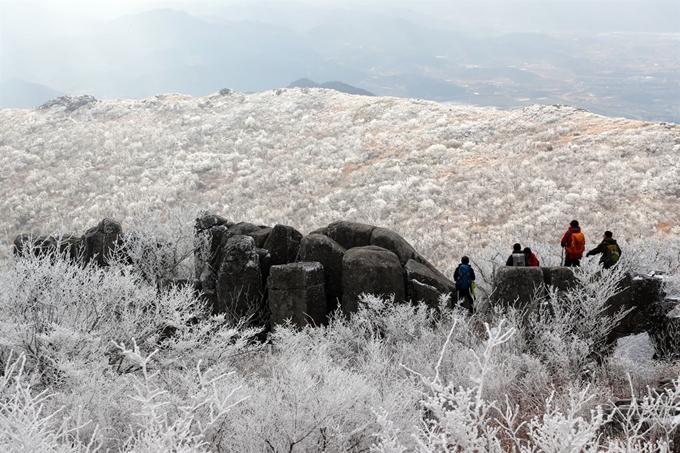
(464, 276)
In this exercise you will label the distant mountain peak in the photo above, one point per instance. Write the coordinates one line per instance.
(20, 94)
(332, 85)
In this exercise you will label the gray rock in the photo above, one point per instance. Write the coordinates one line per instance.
(560, 277)
(516, 287)
(322, 249)
(350, 234)
(372, 270)
(388, 239)
(419, 292)
(243, 228)
(101, 241)
(207, 254)
(424, 285)
(283, 243)
(646, 298)
(71, 246)
(260, 236)
(299, 275)
(666, 338)
(239, 281)
(207, 220)
(296, 292)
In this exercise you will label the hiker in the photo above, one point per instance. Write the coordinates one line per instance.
(610, 250)
(574, 244)
(517, 258)
(464, 276)
(531, 258)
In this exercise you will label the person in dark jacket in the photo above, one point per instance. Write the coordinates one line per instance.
(464, 276)
(531, 258)
(517, 258)
(609, 249)
(574, 244)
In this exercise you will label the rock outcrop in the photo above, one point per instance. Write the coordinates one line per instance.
(650, 310)
(353, 258)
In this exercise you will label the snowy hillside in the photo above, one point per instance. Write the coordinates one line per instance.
(447, 177)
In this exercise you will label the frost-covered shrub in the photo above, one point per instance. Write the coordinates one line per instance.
(118, 365)
(160, 246)
(569, 329)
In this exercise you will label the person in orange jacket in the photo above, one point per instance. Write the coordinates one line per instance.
(574, 244)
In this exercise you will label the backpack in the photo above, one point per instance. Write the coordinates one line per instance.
(612, 255)
(519, 259)
(577, 246)
(464, 281)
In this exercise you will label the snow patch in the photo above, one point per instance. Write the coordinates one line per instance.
(635, 351)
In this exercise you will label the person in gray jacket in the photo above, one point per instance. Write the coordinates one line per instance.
(518, 258)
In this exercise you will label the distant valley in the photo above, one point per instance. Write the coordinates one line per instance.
(629, 73)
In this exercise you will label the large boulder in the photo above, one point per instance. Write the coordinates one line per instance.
(239, 280)
(283, 243)
(101, 241)
(388, 239)
(322, 249)
(260, 236)
(423, 285)
(243, 228)
(207, 220)
(371, 270)
(297, 292)
(349, 234)
(562, 278)
(516, 287)
(645, 296)
(209, 228)
(208, 254)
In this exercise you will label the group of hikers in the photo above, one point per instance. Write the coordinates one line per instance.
(573, 245)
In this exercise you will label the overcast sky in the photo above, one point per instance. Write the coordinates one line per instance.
(513, 10)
